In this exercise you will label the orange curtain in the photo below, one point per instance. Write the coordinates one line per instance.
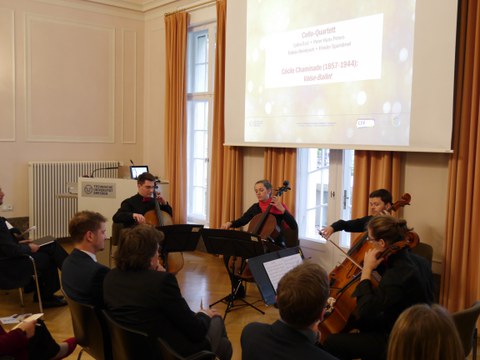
(227, 161)
(374, 170)
(176, 28)
(461, 269)
(279, 165)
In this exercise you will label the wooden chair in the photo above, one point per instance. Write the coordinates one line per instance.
(90, 330)
(130, 344)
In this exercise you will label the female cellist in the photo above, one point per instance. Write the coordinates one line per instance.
(406, 279)
(283, 218)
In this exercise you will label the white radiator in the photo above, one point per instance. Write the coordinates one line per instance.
(51, 202)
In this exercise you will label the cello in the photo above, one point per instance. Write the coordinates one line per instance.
(265, 225)
(172, 262)
(344, 277)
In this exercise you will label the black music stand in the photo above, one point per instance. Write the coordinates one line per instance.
(233, 243)
(260, 274)
(179, 238)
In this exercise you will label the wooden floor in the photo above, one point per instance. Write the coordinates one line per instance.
(203, 278)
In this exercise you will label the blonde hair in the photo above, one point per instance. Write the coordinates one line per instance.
(425, 333)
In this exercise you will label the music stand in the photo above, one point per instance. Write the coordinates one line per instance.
(233, 243)
(261, 275)
(179, 238)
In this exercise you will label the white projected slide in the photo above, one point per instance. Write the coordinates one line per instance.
(313, 80)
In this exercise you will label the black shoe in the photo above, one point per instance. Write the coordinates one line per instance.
(54, 301)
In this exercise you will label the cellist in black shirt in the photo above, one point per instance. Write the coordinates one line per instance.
(406, 279)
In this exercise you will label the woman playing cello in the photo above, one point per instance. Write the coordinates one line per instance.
(283, 218)
(406, 279)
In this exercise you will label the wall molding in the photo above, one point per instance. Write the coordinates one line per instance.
(7, 73)
(93, 137)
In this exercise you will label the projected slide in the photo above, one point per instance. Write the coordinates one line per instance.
(329, 72)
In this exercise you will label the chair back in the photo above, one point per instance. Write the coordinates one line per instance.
(90, 330)
(423, 250)
(128, 344)
(169, 354)
(15, 272)
(466, 323)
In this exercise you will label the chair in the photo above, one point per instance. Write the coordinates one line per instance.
(466, 323)
(114, 239)
(90, 330)
(169, 354)
(128, 343)
(16, 273)
(424, 250)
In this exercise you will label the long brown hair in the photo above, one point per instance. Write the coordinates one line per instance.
(425, 333)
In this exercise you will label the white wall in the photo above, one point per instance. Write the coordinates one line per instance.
(71, 87)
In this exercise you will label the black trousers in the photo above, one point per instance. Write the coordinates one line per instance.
(365, 346)
(49, 259)
(42, 346)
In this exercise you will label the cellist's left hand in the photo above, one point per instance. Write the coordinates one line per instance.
(370, 263)
(278, 204)
(161, 200)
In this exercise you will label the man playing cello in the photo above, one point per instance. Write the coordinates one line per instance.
(380, 202)
(133, 209)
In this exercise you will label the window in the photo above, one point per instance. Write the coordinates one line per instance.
(200, 76)
(325, 180)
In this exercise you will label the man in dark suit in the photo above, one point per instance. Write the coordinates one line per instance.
(301, 297)
(133, 209)
(48, 259)
(82, 275)
(139, 294)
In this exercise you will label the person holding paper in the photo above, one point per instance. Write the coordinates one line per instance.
(301, 297)
(30, 339)
(133, 209)
(48, 260)
(82, 275)
(140, 294)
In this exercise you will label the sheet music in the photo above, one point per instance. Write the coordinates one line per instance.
(277, 268)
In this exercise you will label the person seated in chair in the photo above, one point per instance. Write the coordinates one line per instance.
(48, 260)
(301, 297)
(133, 209)
(283, 219)
(32, 340)
(141, 295)
(82, 275)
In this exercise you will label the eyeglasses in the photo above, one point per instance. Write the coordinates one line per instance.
(370, 239)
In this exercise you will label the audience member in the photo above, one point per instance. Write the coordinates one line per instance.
(82, 275)
(140, 294)
(301, 297)
(48, 260)
(32, 340)
(425, 333)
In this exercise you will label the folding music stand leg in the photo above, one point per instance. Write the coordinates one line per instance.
(230, 300)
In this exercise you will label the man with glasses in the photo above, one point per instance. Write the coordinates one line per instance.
(133, 209)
